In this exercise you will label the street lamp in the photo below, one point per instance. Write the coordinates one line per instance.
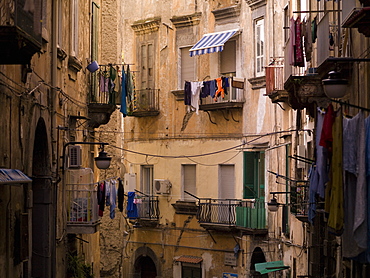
(273, 205)
(335, 86)
(102, 161)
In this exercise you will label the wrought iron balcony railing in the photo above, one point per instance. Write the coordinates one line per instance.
(218, 211)
(147, 207)
(299, 199)
(143, 103)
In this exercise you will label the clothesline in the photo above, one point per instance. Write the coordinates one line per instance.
(350, 105)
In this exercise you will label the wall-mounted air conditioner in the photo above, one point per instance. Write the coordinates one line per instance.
(74, 156)
(162, 186)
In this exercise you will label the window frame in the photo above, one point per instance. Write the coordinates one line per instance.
(147, 179)
(74, 27)
(184, 196)
(259, 47)
(147, 64)
(254, 175)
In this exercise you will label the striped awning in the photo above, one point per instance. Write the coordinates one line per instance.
(10, 176)
(212, 42)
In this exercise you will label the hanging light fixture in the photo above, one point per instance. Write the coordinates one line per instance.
(273, 205)
(103, 160)
(335, 86)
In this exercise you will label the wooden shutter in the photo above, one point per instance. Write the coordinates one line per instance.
(187, 66)
(189, 178)
(249, 191)
(227, 182)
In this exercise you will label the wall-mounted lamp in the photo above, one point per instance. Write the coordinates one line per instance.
(102, 161)
(273, 205)
(335, 86)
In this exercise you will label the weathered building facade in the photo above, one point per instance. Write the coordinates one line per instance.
(202, 172)
(49, 221)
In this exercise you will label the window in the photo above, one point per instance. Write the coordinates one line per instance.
(60, 24)
(147, 63)
(226, 188)
(187, 67)
(189, 181)
(94, 32)
(254, 175)
(147, 179)
(74, 25)
(191, 270)
(228, 59)
(260, 40)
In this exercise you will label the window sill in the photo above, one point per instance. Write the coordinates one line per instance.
(179, 94)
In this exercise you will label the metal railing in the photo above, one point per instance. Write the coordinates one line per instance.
(274, 78)
(299, 198)
(145, 100)
(147, 207)
(252, 214)
(233, 95)
(81, 204)
(218, 211)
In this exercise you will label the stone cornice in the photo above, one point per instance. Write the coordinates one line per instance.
(186, 20)
(232, 12)
(254, 4)
(146, 26)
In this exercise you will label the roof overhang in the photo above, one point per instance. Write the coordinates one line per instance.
(268, 267)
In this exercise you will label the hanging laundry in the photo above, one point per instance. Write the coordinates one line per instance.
(334, 196)
(355, 203)
(187, 93)
(123, 108)
(314, 29)
(112, 200)
(298, 47)
(107, 193)
(307, 33)
(131, 206)
(326, 138)
(120, 194)
(220, 90)
(101, 198)
(196, 86)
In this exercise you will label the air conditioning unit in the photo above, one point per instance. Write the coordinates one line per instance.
(74, 156)
(162, 186)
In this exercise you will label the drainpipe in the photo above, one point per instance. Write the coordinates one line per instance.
(53, 102)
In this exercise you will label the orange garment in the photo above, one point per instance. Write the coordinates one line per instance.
(220, 89)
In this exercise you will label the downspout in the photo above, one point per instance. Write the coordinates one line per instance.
(53, 103)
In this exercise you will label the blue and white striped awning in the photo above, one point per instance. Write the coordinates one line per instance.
(212, 42)
(10, 176)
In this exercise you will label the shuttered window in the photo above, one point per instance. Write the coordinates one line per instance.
(254, 175)
(189, 181)
(227, 182)
(146, 65)
(187, 66)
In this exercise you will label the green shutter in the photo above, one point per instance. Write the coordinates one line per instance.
(249, 190)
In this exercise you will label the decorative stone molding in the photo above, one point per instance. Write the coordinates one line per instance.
(74, 64)
(232, 12)
(186, 20)
(146, 26)
(179, 94)
(254, 4)
(257, 82)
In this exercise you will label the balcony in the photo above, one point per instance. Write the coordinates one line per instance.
(251, 217)
(360, 19)
(218, 214)
(299, 199)
(233, 100)
(147, 210)
(275, 82)
(20, 33)
(82, 208)
(143, 103)
(232, 215)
